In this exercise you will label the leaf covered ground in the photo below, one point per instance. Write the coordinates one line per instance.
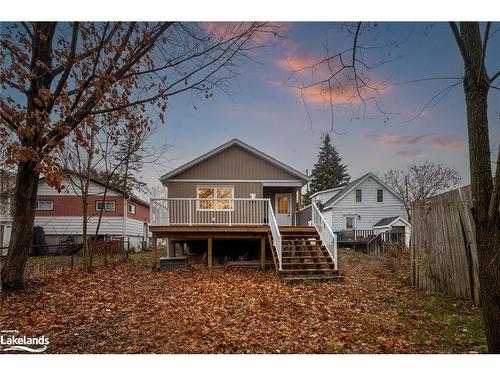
(127, 308)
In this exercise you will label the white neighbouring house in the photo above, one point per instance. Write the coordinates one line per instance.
(366, 203)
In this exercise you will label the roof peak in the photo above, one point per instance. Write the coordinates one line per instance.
(224, 146)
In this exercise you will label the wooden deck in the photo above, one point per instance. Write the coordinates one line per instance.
(210, 231)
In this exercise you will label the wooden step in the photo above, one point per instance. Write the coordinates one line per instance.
(318, 252)
(309, 258)
(309, 270)
(307, 264)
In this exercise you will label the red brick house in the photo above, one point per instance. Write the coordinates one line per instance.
(60, 214)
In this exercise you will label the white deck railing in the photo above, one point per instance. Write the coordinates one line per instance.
(325, 232)
(199, 211)
(275, 232)
(230, 212)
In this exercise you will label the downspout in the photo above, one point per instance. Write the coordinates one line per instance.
(125, 213)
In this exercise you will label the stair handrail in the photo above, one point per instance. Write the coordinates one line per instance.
(275, 232)
(371, 241)
(328, 237)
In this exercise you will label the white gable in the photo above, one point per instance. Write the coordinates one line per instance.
(94, 189)
(367, 212)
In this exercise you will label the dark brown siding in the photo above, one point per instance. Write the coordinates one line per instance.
(236, 163)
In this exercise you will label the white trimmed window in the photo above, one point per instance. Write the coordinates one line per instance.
(105, 206)
(131, 208)
(215, 198)
(44, 205)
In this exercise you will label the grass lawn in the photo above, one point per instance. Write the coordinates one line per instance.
(127, 308)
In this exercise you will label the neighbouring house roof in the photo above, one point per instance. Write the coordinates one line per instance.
(327, 190)
(96, 181)
(225, 146)
(353, 184)
(387, 221)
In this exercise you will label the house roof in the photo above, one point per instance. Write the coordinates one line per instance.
(353, 184)
(327, 190)
(96, 181)
(387, 221)
(225, 146)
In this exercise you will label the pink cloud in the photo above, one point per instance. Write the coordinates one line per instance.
(391, 139)
(439, 142)
(448, 142)
(226, 30)
(311, 81)
(410, 154)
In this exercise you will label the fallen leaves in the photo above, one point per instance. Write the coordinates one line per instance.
(128, 308)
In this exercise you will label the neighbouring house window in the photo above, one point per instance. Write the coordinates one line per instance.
(44, 205)
(215, 197)
(131, 208)
(349, 223)
(358, 195)
(105, 206)
(380, 195)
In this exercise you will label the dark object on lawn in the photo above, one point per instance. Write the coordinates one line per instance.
(39, 246)
(167, 264)
(70, 249)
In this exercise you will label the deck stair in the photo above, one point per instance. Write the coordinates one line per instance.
(305, 257)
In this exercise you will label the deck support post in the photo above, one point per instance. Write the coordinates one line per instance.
(154, 250)
(262, 253)
(209, 257)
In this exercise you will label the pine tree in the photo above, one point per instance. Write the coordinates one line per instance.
(328, 172)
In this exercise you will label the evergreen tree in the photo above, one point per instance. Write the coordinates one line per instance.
(328, 172)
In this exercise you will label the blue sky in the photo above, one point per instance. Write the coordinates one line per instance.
(273, 118)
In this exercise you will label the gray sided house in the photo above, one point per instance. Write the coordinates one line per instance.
(235, 170)
(229, 197)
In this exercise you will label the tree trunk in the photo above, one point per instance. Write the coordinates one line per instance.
(22, 228)
(476, 87)
(487, 228)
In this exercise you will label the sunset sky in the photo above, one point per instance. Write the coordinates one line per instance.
(268, 114)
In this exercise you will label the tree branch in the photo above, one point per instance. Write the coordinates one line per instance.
(460, 42)
(67, 69)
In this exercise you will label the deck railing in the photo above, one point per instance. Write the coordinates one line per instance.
(273, 224)
(326, 234)
(230, 212)
(201, 211)
(355, 235)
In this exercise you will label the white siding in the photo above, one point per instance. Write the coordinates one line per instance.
(135, 228)
(66, 225)
(368, 212)
(94, 189)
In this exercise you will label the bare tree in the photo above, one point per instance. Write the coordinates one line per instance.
(420, 181)
(473, 42)
(56, 77)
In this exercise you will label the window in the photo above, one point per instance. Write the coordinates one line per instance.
(105, 206)
(131, 208)
(215, 197)
(358, 195)
(283, 205)
(44, 205)
(349, 222)
(380, 195)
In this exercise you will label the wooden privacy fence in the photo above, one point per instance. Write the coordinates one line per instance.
(443, 244)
